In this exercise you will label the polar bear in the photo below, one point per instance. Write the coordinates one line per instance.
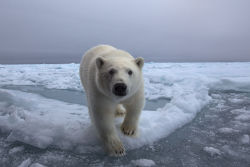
(113, 82)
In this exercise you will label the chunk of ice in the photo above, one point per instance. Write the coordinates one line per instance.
(227, 130)
(212, 151)
(25, 163)
(16, 149)
(143, 162)
(37, 165)
(245, 139)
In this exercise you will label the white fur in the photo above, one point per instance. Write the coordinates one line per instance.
(102, 103)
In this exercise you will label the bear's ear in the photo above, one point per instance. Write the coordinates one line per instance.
(99, 62)
(140, 62)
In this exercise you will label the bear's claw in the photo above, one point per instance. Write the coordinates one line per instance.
(115, 148)
(128, 130)
(118, 153)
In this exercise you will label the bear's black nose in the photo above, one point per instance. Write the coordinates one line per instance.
(120, 89)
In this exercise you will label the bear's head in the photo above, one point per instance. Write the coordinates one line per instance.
(119, 77)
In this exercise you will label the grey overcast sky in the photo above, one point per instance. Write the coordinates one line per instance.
(60, 31)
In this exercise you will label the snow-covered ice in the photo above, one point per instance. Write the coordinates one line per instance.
(160, 78)
(41, 122)
(29, 116)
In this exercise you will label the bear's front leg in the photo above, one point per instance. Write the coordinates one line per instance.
(133, 107)
(104, 122)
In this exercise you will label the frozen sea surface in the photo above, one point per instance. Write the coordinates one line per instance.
(196, 114)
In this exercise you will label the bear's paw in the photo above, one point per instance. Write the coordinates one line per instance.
(120, 111)
(115, 147)
(128, 130)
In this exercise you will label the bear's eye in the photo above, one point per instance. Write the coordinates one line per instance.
(130, 72)
(112, 72)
